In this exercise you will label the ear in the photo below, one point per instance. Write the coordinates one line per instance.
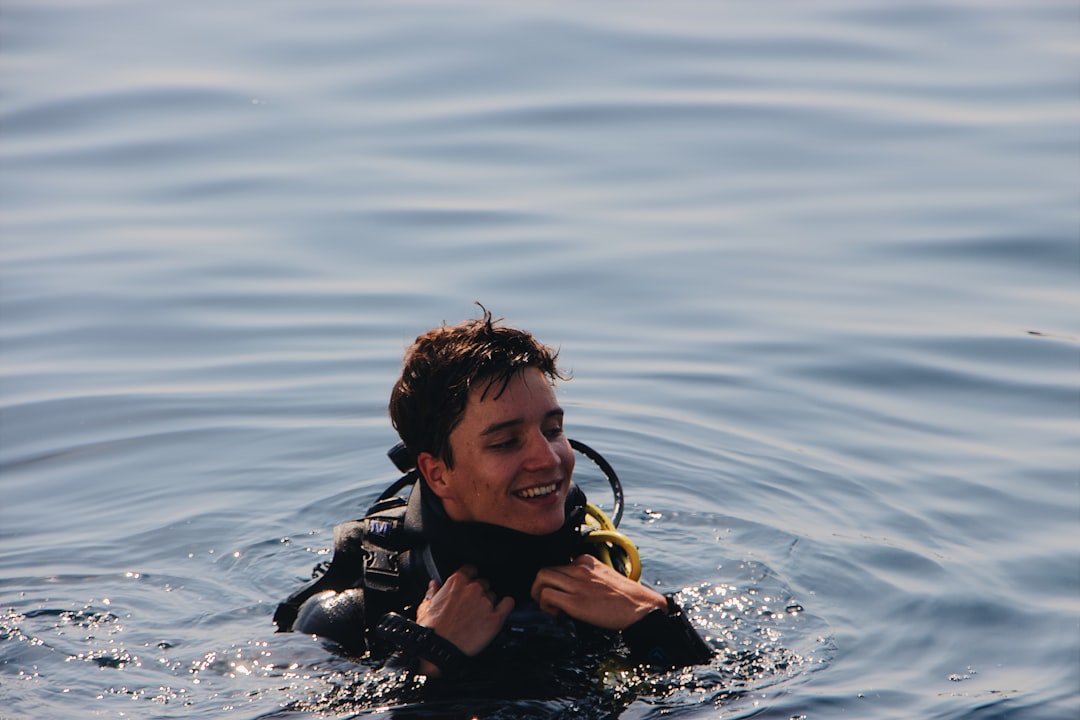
(434, 471)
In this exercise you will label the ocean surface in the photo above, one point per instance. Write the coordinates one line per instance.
(814, 266)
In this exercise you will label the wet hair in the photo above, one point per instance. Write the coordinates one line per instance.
(444, 364)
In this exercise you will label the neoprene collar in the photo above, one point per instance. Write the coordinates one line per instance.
(509, 559)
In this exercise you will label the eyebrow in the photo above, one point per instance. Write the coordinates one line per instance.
(496, 427)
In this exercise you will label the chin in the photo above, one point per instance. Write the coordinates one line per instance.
(547, 527)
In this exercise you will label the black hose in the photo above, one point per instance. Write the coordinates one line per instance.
(609, 473)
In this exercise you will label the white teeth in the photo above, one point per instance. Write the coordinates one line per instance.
(538, 491)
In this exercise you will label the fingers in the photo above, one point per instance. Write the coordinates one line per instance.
(566, 578)
(485, 586)
(550, 590)
(548, 599)
(588, 590)
(503, 608)
(466, 580)
(464, 611)
(464, 585)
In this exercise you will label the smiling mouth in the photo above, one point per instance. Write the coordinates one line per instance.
(537, 492)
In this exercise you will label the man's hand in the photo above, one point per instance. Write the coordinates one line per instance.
(464, 611)
(590, 591)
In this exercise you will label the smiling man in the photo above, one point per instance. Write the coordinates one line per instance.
(485, 561)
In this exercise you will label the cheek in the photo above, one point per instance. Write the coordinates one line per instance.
(492, 475)
(568, 458)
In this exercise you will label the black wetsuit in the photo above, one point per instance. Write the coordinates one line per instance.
(383, 563)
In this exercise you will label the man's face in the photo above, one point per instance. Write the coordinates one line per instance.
(512, 462)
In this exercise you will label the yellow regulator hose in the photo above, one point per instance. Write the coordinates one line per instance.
(607, 538)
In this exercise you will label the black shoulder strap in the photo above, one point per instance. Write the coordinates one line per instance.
(383, 545)
(394, 570)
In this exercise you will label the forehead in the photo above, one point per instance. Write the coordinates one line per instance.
(521, 391)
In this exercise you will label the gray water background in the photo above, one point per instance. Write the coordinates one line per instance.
(815, 267)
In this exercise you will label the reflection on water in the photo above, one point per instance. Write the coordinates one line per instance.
(748, 629)
(752, 631)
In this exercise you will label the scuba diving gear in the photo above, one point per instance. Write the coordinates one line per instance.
(665, 638)
(609, 474)
(382, 565)
(404, 542)
(530, 627)
(602, 533)
(337, 615)
(421, 642)
(344, 572)
(402, 458)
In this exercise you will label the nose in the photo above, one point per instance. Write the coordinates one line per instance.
(541, 453)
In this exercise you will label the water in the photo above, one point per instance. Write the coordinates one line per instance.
(814, 267)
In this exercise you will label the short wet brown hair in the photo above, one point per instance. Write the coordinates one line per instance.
(443, 364)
